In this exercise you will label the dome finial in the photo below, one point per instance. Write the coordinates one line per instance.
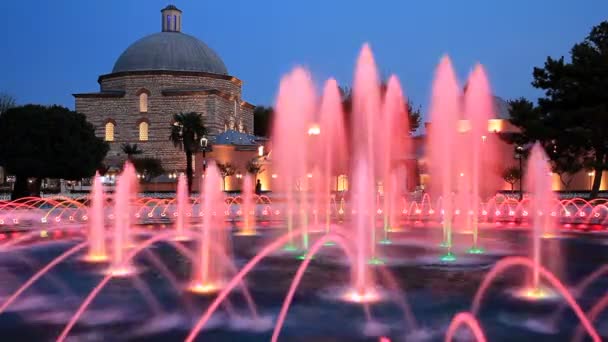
(171, 19)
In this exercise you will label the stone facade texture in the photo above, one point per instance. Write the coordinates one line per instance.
(216, 97)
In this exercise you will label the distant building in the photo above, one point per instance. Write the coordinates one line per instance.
(156, 77)
(506, 158)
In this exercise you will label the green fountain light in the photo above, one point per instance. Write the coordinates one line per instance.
(476, 250)
(448, 257)
(290, 248)
(376, 261)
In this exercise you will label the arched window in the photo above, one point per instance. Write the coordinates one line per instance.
(143, 102)
(143, 131)
(109, 131)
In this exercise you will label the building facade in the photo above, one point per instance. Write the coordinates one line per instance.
(156, 77)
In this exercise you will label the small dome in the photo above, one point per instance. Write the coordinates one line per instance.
(172, 51)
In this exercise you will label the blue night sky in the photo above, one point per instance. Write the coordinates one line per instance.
(51, 49)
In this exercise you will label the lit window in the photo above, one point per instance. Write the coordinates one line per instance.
(143, 131)
(495, 125)
(109, 131)
(342, 183)
(143, 103)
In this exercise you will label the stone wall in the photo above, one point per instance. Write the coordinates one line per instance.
(216, 108)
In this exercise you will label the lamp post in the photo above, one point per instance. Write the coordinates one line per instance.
(204, 143)
(519, 154)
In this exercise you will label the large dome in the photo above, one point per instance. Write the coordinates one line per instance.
(172, 51)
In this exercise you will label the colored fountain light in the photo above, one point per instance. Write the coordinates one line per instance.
(204, 289)
(535, 293)
(367, 295)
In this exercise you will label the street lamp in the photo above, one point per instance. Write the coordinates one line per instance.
(519, 154)
(204, 142)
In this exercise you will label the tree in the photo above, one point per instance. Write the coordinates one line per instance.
(511, 175)
(6, 102)
(254, 167)
(574, 110)
(262, 121)
(226, 170)
(186, 132)
(148, 167)
(48, 142)
(131, 150)
(565, 165)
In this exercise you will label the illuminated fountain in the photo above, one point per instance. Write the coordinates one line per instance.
(248, 207)
(445, 111)
(209, 268)
(366, 109)
(332, 148)
(542, 201)
(182, 203)
(124, 196)
(294, 110)
(479, 109)
(396, 148)
(97, 230)
(314, 143)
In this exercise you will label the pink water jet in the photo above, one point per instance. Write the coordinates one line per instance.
(182, 202)
(480, 173)
(248, 207)
(295, 108)
(465, 318)
(332, 147)
(445, 110)
(363, 203)
(541, 204)
(97, 231)
(209, 272)
(124, 196)
(365, 112)
(395, 141)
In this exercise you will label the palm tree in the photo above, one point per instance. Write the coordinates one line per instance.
(226, 170)
(130, 150)
(186, 132)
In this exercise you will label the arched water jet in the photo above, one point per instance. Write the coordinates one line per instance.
(41, 273)
(342, 243)
(510, 262)
(467, 319)
(101, 285)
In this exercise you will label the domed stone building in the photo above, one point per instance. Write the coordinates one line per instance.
(156, 77)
